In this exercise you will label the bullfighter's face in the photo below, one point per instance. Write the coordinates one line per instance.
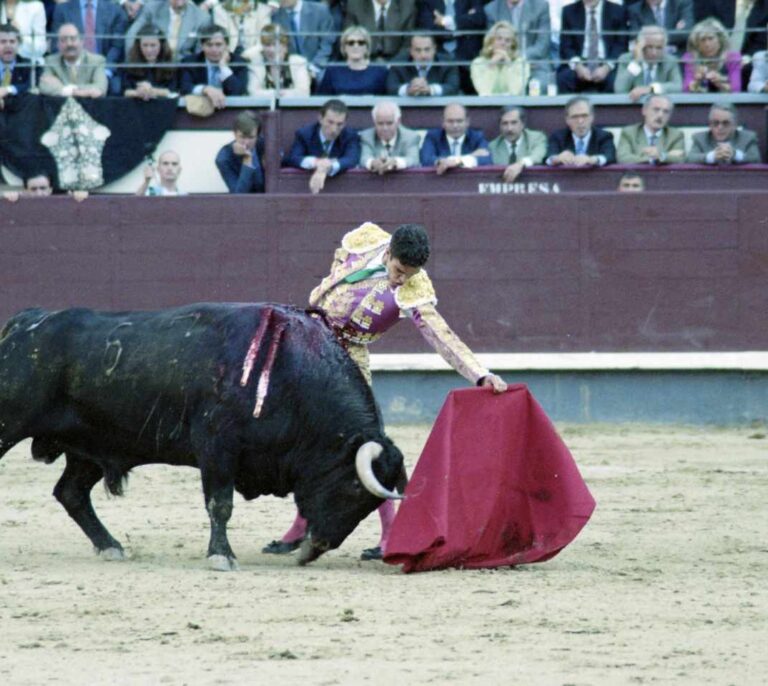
(397, 272)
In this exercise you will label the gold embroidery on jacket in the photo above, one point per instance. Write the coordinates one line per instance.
(366, 237)
(418, 290)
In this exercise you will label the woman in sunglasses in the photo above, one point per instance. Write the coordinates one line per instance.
(359, 76)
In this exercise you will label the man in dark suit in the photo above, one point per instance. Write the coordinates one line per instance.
(448, 24)
(222, 73)
(238, 162)
(424, 75)
(326, 148)
(301, 18)
(754, 36)
(102, 25)
(676, 16)
(393, 16)
(15, 71)
(581, 144)
(594, 35)
(455, 144)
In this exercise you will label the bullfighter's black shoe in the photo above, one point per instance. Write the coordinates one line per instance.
(281, 547)
(371, 553)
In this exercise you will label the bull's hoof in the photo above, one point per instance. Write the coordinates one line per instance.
(281, 547)
(112, 554)
(222, 563)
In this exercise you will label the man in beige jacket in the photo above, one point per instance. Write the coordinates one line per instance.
(653, 141)
(73, 71)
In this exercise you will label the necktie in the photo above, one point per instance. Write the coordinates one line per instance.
(449, 46)
(72, 73)
(173, 32)
(326, 148)
(658, 13)
(592, 51)
(364, 273)
(513, 153)
(455, 149)
(652, 142)
(7, 76)
(422, 71)
(387, 149)
(581, 146)
(378, 41)
(89, 27)
(295, 31)
(215, 79)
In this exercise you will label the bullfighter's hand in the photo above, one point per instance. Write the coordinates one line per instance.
(495, 382)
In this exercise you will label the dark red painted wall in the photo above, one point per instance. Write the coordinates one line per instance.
(569, 272)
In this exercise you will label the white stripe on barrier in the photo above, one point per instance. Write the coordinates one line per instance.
(429, 362)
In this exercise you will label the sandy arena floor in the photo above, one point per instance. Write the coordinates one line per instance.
(666, 585)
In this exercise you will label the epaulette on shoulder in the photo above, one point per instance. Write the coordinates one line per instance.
(418, 290)
(368, 236)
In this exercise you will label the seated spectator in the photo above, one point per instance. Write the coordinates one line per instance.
(310, 26)
(180, 20)
(653, 141)
(456, 26)
(102, 25)
(516, 147)
(39, 185)
(15, 71)
(168, 172)
(359, 76)
(725, 142)
(499, 69)
(709, 66)
(239, 162)
(243, 21)
(581, 144)
(220, 73)
(531, 22)
(388, 146)
(387, 20)
(746, 21)
(150, 73)
(274, 68)
(424, 75)
(648, 68)
(29, 19)
(73, 71)
(631, 182)
(326, 148)
(676, 16)
(758, 82)
(593, 37)
(455, 144)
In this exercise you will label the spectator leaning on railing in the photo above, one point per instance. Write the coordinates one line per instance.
(649, 68)
(16, 73)
(388, 146)
(500, 69)
(725, 142)
(73, 70)
(581, 144)
(455, 144)
(149, 73)
(516, 147)
(653, 141)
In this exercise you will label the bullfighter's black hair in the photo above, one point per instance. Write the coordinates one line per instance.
(410, 245)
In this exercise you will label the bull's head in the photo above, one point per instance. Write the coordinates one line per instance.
(354, 488)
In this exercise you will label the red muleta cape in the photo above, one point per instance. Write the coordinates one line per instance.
(495, 486)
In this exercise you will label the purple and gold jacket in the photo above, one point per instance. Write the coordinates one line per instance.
(361, 312)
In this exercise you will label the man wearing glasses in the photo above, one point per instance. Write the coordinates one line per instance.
(725, 142)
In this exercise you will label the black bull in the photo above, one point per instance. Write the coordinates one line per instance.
(113, 391)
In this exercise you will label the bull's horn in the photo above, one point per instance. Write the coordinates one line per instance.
(366, 454)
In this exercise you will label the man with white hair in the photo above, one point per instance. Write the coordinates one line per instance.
(648, 68)
(388, 146)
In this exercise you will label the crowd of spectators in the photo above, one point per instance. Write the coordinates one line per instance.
(156, 48)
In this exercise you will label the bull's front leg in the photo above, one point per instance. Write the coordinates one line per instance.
(218, 488)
